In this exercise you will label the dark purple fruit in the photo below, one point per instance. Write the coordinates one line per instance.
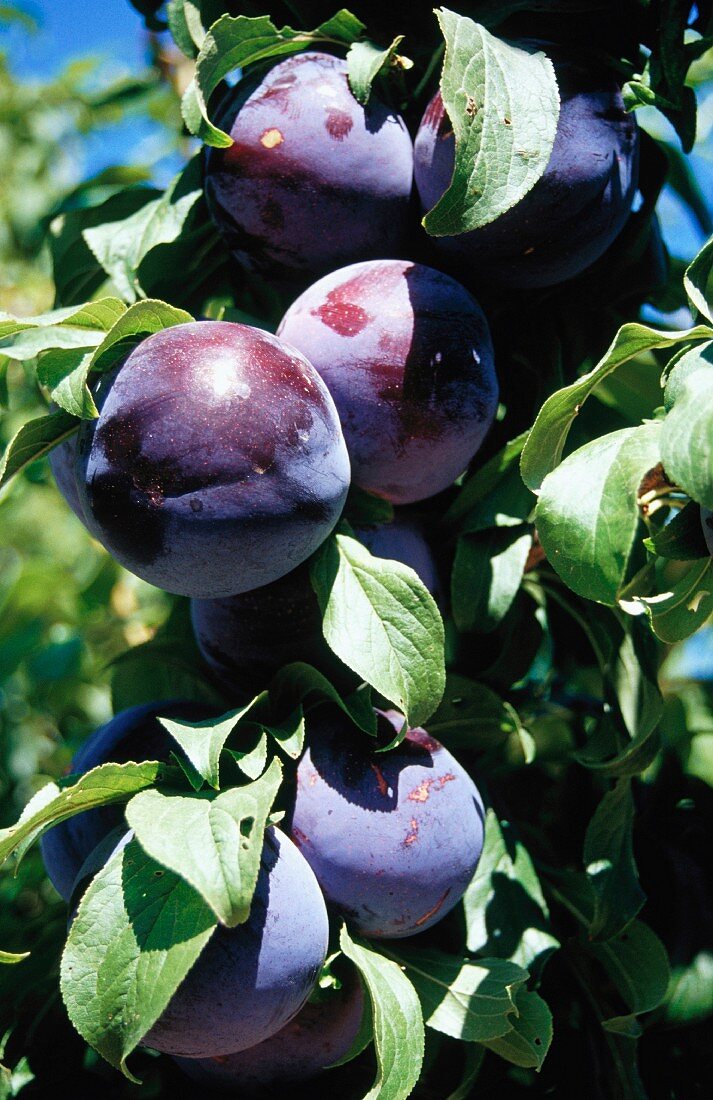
(321, 1034)
(313, 180)
(393, 837)
(406, 354)
(217, 463)
(249, 981)
(574, 211)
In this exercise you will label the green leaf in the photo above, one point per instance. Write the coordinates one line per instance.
(301, 683)
(120, 246)
(687, 429)
(503, 104)
(102, 786)
(186, 26)
(627, 1026)
(213, 841)
(545, 443)
(252, 762)
(528, 1042)
(681, 539)
(481, 484)
(9, 958)
(381, 621)
(236, 42)
(609, 862)
(587, 516)
(471, 716)
(364, 510)
(505, 912)
(137, 932)
(398, 1021)
(684, 606)
(472, 1000)
(65, 374)
(637, 964)
(34, 440)
(698, 281)
(290, 734)
(139, 321)
(365, 60)
(203, 741)
(70, 327)
(487, 571)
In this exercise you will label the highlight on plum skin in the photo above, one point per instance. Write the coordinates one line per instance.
(406, 353)
(393, 837)
(575, 210)
(217, 463)
(313, 180)
(319, 1035)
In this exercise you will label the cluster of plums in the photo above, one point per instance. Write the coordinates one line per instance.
(220, 461)
(388, 840)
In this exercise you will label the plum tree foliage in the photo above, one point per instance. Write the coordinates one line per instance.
(395, 493)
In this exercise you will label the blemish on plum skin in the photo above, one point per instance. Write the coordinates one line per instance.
(422, 791)
(271, 138)
(382, 784)
(412, 836)
(298, 836)
(338, 124)
(344, 318)
(432, 912)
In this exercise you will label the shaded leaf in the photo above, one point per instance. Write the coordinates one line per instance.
(610, 865)
(529, 1039)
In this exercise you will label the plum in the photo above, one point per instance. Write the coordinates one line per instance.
(134, 734)
(249, 981)
(245, 639)
(707, 524)
(393, 837)
(217, 463)
(313, 180)
(574, 211)
(407, 356)
(319, 1035)
(403, 540)
(63, 461)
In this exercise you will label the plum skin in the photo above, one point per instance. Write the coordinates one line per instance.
(249, 981)
(319, 1035)
(394, 838)
(313, 180)
(217, 463)
(133, 734)
(574, 211)
(246, 639)
(406, 353)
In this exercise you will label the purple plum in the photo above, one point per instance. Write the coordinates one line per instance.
(574, 211)
(217, 463)
(707, 524)
(245, 639)
(134, 734)
(393, 837)
(407, 356)
(313, 180)
(249, 981)
(63, 461)
(322, 1033)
